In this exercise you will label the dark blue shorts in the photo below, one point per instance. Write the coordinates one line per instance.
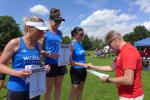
(56, 70)
(78, 75)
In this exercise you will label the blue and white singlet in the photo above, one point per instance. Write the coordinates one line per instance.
(78, 54)
(51, 45)
(24, 56)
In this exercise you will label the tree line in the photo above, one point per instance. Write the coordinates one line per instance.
(10, 29)
(89, 43)
(139, 32)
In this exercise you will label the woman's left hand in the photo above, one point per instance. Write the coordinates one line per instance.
(47, 68)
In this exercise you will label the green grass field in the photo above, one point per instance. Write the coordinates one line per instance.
(94, 89)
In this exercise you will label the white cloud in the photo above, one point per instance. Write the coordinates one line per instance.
(102, 21)
(147, 24)
(144, 5)
(125, 17)
(39, 9)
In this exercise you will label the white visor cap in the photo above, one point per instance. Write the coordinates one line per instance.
(38, 25)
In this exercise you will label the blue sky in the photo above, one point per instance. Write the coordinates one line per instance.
(97, 17)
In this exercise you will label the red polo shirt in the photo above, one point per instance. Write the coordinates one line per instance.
(129, 58)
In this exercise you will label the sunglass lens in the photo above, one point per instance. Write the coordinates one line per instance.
(82, 34)
(57, 21)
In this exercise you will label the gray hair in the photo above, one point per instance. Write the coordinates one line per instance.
(111, 35)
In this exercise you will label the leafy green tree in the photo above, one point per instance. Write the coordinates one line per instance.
(8, 29)
(96, 43)
(126, 37)
(139, 33)
(87, 43)
(66, 40)
(149, 34)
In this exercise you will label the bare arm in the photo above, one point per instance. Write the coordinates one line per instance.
(9, 51)
(7, 54)
(127, 79)
(40, 43)
(103, 68)
(45, 53)
(73, 63)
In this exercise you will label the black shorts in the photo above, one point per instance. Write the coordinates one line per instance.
(56, 70)
(78, 75)
(12, 95)
(2, 76)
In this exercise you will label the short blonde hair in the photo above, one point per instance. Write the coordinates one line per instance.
(111, 35)
(33, 19)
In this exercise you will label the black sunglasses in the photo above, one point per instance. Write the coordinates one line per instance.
(81, 34)
(57, 21)
(111, 41)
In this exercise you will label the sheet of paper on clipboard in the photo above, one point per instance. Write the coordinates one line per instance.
(37, 80)
(63, 55)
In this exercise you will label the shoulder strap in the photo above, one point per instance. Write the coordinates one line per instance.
(59, 33)
(22, 42)
(37, 46)
(73, 42)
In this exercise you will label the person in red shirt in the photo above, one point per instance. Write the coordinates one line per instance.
(128, 67)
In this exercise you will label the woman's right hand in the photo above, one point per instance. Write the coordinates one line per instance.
(51, 55)
(54, 55)
(89, 66)
(23, 73)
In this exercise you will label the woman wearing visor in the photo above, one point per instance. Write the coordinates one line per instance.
(23, 51)
(52, 40)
